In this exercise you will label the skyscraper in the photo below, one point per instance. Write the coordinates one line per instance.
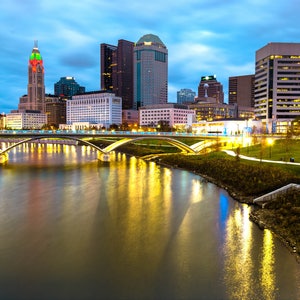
(150, 71)
(277, 85)
(241, 90)
(117, 71)
(211, 88)
(67, 87)
(35, 99)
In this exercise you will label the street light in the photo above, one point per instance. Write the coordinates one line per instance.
(270, 142)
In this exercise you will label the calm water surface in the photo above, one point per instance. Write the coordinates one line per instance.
(75, 228)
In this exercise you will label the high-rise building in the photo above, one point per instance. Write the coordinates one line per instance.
(277, 85)
(150, 71)
(209, 87)
(185, 95)
(241, 90)
(117, 70)
(66, 87)
(35, 99)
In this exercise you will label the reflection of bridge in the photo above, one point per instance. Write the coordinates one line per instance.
(123, 138)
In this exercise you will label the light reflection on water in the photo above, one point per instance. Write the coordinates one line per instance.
(73, 227)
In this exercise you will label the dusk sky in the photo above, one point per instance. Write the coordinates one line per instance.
(203, 38)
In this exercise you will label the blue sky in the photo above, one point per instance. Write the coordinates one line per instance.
(203, 38)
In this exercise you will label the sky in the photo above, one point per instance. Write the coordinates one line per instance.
(203, 37)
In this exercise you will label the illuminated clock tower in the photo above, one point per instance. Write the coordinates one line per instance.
(35, 99)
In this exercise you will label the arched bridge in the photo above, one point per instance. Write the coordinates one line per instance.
(124, 139)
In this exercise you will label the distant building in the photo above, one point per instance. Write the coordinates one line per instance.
(26, 120)
(117, 70)
(185, 95)
(35, 98)
(66, 87)
(130, 116)
(2, 121)
(172, 114)
(209, 87)
(150, 71)
(96, 108)
(241, 90)
(55, 108)
(277, 85)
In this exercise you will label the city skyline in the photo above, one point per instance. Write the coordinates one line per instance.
(206, 38)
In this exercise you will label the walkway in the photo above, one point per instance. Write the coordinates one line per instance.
(232, 153)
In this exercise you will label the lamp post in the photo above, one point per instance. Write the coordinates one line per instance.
(270, 142)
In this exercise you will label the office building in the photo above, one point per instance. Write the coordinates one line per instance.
(98, 108)
(55, 109)
(209, 87)
(241, 90)
(172, 114)
(35, 98)
(66, 87)
(277, 85)
(185, 95)
(117, 70)
(150, 71)
(26, 120)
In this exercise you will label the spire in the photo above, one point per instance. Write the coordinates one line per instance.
(35, 44)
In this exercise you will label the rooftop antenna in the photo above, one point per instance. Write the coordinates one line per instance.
(35, 44)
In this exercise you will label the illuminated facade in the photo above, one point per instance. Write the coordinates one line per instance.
(277, 85)
(150, 71)
(26, 120)
(97, 107)
(171, 114)
(35, 99)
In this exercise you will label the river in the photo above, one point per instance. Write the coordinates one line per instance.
(72, 227)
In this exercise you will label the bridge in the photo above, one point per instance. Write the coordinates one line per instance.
(123, 137)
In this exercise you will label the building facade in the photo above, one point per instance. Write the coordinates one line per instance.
(185, 95)
(277, 85)
(117, 70)
(66, 87)
(55, 109)
(96, 108)
(209, 87)
(26, 120)
(170, 113)
(150, 71)
(35, 98)
(241, 90)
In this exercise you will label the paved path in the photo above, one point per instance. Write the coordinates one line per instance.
(232, 153)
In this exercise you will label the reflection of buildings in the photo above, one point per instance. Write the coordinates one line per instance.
(95, 108)
(117, 70)
(277, 85)
(150, 71)
(185, 95)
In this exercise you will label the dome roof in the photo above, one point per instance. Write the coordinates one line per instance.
(150, 38)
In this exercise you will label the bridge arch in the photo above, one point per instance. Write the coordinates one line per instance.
(44, 137)
(171, 141)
